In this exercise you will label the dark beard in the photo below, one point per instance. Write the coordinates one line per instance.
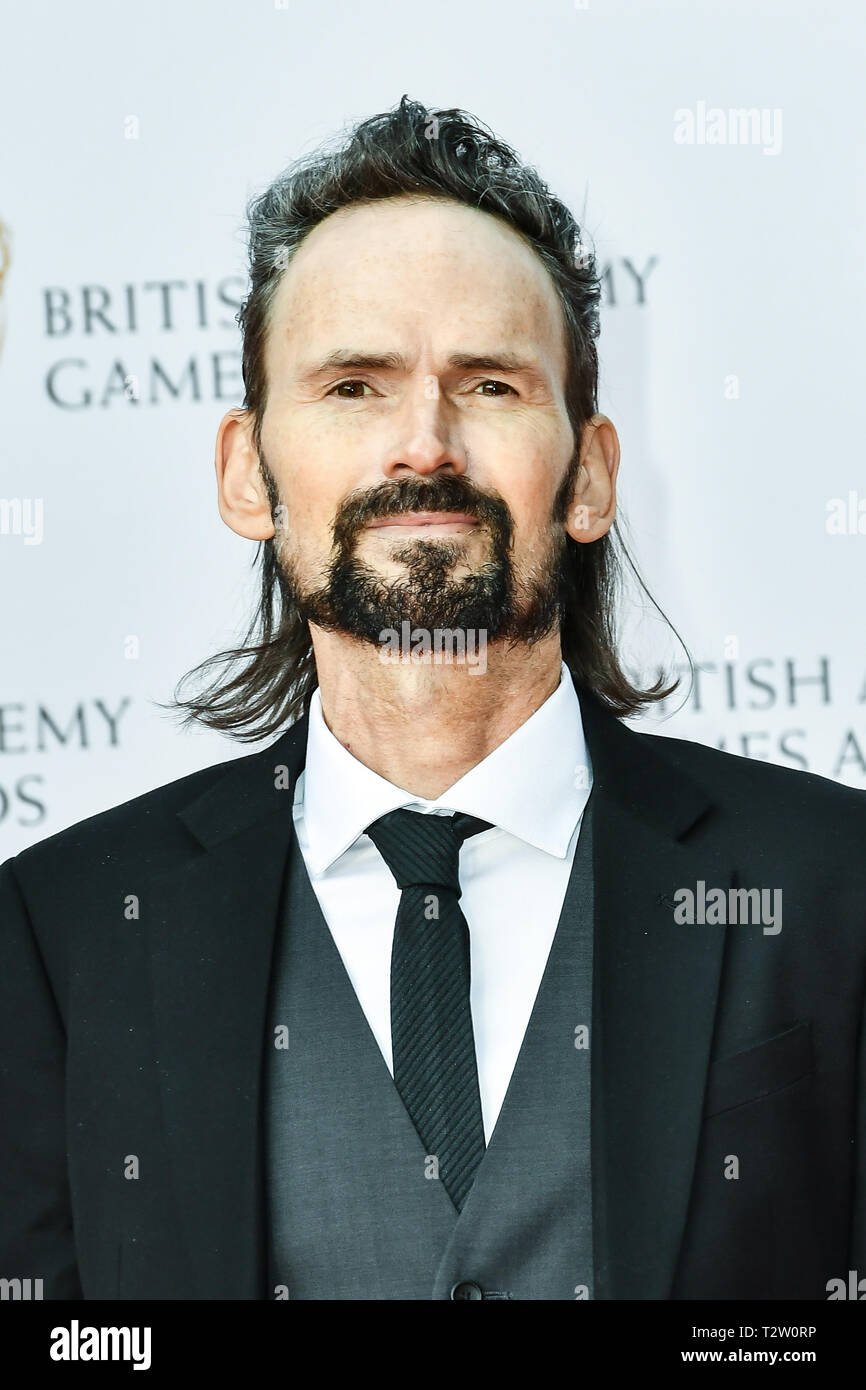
(356, 600)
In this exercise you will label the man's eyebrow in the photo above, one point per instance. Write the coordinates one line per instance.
(348, 359)
(494, 362)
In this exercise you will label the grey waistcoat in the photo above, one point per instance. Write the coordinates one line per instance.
(353, 1211)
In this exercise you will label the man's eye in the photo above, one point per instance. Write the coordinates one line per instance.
(343, 385)
(503, 386)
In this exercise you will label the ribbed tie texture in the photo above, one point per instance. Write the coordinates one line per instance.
(435, 1069)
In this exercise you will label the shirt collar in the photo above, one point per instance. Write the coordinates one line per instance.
(535, 785)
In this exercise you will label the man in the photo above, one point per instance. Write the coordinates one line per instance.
(460, 988)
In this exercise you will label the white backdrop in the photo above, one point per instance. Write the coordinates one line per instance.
(732, 341)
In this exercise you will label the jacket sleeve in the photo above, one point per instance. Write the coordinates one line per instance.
(36, 1235)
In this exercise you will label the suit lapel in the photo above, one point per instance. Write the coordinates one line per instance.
(654, 1001)
(213, 922)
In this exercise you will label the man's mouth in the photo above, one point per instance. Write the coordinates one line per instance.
(438, 521)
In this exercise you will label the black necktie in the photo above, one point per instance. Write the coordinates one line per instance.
(435, 1070)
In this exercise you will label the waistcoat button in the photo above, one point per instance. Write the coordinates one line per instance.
(466, 1289)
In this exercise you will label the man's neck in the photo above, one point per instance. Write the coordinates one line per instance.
(424, 725)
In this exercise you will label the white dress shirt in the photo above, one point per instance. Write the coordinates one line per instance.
(533, 788)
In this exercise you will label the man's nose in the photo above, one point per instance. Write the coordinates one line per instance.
(426, 438)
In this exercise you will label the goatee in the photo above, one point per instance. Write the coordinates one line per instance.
(353, 598)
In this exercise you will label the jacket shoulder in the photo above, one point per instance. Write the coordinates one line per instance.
(765, 788)
(147, 821)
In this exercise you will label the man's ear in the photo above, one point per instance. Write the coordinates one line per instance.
(242, 497)
(592, 506)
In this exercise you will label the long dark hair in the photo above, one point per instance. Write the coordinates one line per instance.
(448, 154)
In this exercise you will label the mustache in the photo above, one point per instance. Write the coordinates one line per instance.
(449, 493)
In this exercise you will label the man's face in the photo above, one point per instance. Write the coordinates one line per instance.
(416, 426)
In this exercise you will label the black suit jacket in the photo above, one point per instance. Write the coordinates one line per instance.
(728, 1063)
